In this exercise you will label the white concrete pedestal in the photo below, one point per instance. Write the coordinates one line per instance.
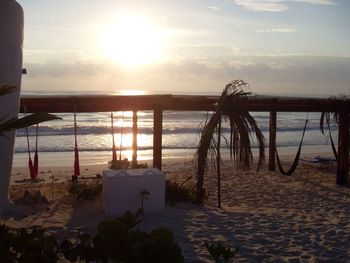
(122, 190)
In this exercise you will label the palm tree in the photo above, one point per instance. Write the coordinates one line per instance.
(17, 123)
(242, 126)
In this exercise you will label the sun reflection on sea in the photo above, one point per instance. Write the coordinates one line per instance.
(130, 92)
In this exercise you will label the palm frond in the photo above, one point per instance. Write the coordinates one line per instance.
(206, 144)
(6, 89)
(243, 128)
(326, 119)
(26, 121)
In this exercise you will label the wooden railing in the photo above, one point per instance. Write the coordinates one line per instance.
(160, 103)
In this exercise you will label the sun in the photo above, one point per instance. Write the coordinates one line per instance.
(131, 40)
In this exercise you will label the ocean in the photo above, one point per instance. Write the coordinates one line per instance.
(181, 133)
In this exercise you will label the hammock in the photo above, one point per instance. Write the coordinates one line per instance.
(36, 155)
(332, 143)
(296, 159)
(76, 151)
(330, 133)
(319, 159)
(33, 167)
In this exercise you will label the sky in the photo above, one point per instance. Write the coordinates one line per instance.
(282, 47)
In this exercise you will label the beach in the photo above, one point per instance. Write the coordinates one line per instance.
(269, 217)
(88, 85)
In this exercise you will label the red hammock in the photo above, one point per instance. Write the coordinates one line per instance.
(36, 155)
(33, 168)
(76, 151)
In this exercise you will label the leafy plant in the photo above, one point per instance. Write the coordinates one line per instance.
(9, 124)
(119, 164)
(85, 192)
(175, 192)
(140, 165)
(27, 245)
(220, 253)
(125, 164)
(144, 196)
(157, 247)
(82, 249)
(7, 254)
(242, 126)
(117, 240)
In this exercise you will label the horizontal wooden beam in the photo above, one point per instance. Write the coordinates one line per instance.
(56, 104)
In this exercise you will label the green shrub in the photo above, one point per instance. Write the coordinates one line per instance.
(117, 240)
(85, 192)
(140, 165)
(27, 245)
(220, 253)
(124, 164)
(7, 254)
(175, 192)
(119, 164)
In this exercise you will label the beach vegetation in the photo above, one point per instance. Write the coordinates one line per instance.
(116, 240)
(243, 128)
(119, 164)
(10, 124)
(176, 192)
(32, 198)
(124, 164)
(219, 252)
(27, 245)
(82, 191)
(143, 196)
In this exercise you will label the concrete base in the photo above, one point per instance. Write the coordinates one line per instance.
(122, 190)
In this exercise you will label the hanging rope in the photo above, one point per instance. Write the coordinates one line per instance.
(36, 155)
(76, 151)
(114, 152)
(297, 156)
(121, 136)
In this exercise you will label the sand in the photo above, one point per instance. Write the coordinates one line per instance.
(270, 217)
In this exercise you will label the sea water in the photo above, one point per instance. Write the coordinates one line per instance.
(181, 133)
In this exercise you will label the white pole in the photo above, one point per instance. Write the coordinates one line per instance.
(11, 40)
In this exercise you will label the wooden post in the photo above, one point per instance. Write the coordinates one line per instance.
(272, 141)
(157, 138)
(134, 139)
(343, 147)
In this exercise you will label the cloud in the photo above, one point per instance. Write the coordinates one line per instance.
(316, 2)
(216, 8)
(263, 5)
(266, 74)
(277, 30)
(56, 68)
(276, 5)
